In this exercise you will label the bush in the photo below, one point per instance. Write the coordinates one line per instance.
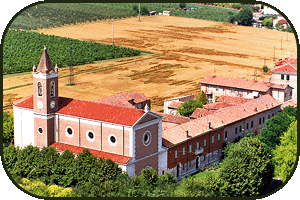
(8, 128)
(265, 68)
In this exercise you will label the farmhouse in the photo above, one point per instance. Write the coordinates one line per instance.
(215, 86)
(285, 72)
(122, 127)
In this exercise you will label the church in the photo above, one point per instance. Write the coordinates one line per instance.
(129, 136)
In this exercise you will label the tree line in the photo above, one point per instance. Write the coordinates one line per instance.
(23, 49)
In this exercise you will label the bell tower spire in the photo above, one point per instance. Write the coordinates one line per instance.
(45, 100)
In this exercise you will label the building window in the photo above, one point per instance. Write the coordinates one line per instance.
(259, 121)
(198, 146)
(282, 76)
(273, 114)
(212, 139)
(40, 130)
(248, 92)
(39, 89)
(204, 157)
(263, 120)
(240, 128)
(112, 140)
(205, 142)
(209, 86)
(163, 172)
(217, 88)
(183, 151)
(240, 92)
(176, 154)
(90, 136)
(52, 84)
(235, 130)
(269, 116)
(225, 135)
(190, 150)
(232, 90)
(247, 126)
(287, 77)
(183, 167)
(251, 124)
(219, 137)
(147, 138)
(69, 131)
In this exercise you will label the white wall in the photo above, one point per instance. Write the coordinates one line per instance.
(23, 127)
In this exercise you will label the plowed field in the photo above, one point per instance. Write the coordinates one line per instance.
(185, 51)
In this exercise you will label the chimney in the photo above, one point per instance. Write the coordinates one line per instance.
(147, 109)
(56, 68)
(187, 133)
(34, 69)
(209, 125)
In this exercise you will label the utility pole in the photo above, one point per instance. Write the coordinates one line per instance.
(113, 43)
(71, 76)
(139, 11)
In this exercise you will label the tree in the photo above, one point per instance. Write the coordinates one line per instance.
(285, 154)
(268, 22)
(144, 10)
(275, 127)
(291, 111)
(203, 98)
(10, 156)
(64, 170)
(182, 5)
(46, 162)
(8, 128)
(265, 68)
(245, 16)
(247, 168)
(188, 107)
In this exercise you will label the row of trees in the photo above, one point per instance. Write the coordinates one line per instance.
(47, 15)
(86, 175)
(23, 49)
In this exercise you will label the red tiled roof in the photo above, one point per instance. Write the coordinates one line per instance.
(222, 117)
(240, 83)
(232, 100)
(173, 118)
(282, 21)
(291, 102)
(92, 110)
(287, 65)
(25, 102)
(201, 112)
(122, 99)
(175, 104)
(99, 154)
(217, 105)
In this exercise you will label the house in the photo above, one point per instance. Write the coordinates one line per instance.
(167, 13)
(195, 144)
(215, 86)
(285, 72)
(129, 136)
(152, 13)
(171, 105)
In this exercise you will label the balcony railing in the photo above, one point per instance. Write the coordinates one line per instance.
(198, 151)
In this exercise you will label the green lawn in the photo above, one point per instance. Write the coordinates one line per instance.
(200, 176)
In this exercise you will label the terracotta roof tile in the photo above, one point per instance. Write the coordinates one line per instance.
(92, 110)
(45, 64)
(287, 65)
(200, 112)
(173, 118)
(175, 104)
(218, 119)
(99, 154)
(122, 99)
(239, 83)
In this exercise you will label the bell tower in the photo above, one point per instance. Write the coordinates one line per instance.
(45, 100)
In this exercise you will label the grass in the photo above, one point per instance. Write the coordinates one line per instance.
(199, 176)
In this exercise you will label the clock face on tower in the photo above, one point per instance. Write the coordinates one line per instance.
(40, 104)
(52, 104)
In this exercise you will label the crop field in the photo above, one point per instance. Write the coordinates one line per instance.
(184, 50)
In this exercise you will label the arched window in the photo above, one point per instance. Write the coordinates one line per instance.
(39, 89)
(52, 84)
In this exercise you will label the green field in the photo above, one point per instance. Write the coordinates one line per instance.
(47, 15)
(23, 49)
